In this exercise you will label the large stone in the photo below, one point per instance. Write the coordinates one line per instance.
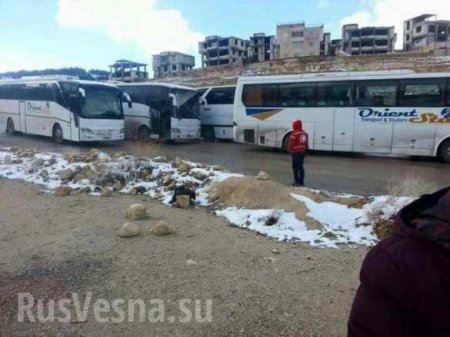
(167, 180)
(117, 186)
(65, 174)
(62, 191)
(92, 155)
(129, 230)
(136, 212)
(7, 160)
(183, 201)
(199, 176)
(160, 228)
(106, 193)
(263, 176)
(79, 177)
(36, 164)
(182, 166)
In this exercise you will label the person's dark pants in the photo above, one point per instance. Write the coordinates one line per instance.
(297, 167)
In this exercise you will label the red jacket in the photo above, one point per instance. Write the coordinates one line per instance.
(298, 141)
(405, 279)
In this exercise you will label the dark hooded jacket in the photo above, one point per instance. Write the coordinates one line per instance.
(298, 141)
(405, 279)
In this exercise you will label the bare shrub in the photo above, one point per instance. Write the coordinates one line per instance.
(413, 184)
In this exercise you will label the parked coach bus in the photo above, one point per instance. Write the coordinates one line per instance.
(161, 111)
(217, 112)
(376, 112)
(62, 107)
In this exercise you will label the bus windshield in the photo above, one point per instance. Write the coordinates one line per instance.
(187, 103)
(102, 102)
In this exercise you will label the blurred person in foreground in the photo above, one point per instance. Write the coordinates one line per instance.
(405, 279)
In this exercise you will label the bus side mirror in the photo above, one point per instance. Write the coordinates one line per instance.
(82, 96)
(174, 100)
(127, 98)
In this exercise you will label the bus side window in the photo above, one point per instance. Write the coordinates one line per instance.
(221, 96)
(252, 95)
(334, 95)
(376, 94)
(423, 92)
(297, 95)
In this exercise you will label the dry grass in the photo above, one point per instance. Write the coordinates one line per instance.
(250, 193)
(412, 185)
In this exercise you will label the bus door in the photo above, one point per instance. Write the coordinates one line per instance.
(373, 132)
(22, 116)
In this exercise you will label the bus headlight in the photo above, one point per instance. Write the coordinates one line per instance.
(88, 131)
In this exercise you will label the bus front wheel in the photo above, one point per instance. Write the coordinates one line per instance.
(285, 145)
(143, 134)
(10, 127)
(58, 135)
(444, 151)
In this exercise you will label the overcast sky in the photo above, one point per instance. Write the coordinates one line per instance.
(37, 34)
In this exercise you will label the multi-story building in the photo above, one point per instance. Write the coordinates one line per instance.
(170, 63)
(297, 40)
(368, 40)
(335, 47)
(425, 32)
(325, 44)
(262, 48)
(128, 71)
(216, 50)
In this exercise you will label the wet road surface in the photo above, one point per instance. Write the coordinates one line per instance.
(346, 173)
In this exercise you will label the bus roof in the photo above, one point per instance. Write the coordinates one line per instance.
(342, 76)
(52, 79)
(153, 84)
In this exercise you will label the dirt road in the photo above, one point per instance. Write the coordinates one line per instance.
(51, 247)
(343, 173)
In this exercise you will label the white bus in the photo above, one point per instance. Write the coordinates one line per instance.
(375, 112)
(217, 112)
(161, 111)
(62, 107)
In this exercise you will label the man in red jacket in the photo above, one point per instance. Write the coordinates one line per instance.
(405, 279)
(297, 146)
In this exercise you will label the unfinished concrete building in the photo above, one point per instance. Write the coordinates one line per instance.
(368, 40)
(298, 40)
(262, 48)
(128, 71)
(216, 50)
(170, 63)
(425, 32)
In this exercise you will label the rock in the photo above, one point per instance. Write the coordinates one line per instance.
(167, 180)
(44, 174)
(92, 155)
(160, 159)
(190, 262)
(199, 176)
(263, 176)
(136, 212)
(309, 258)
(62, 191)
(51, 161)
(86, 189)
(65, 174)
(183, 201)
(79, 177)
(129, 230)
(161, 228)
(106, 193)
(117, 186)
(100, 167)
(132, 191)
(182, 166)
(36, 164)
(7, 160)
(276, 251)
(146, 173)
(117, 155)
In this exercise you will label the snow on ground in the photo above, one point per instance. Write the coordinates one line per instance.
(340, 224)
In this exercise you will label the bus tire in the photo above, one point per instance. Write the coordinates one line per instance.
(208, 134)
(444, 151)
(285, 144)
(57, 134)
(10, 130)
(143, 133)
